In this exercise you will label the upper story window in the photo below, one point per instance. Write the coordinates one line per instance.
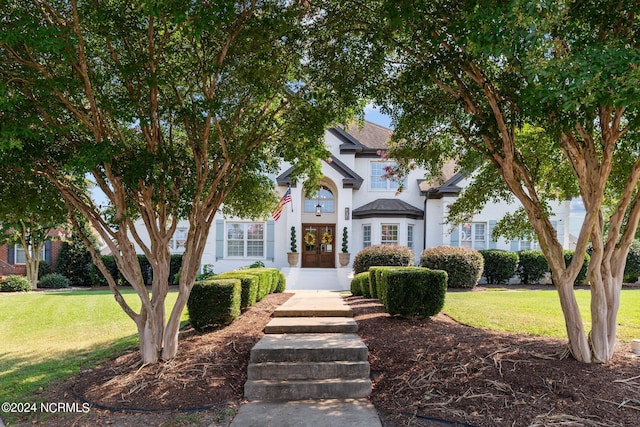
(473, 235)
(379, 181)
(324, 198)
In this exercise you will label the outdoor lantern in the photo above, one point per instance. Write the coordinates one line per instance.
(318, 209)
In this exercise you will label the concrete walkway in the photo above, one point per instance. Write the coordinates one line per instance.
(311, 368)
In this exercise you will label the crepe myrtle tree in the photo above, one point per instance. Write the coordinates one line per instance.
(31, 211)
(173, 108)
(541, 101)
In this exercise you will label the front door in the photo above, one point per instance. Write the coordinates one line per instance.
(318, 246)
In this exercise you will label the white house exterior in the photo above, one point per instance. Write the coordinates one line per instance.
(356, 196)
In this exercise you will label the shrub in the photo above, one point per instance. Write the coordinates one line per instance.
(249, 284)
(632, 267)
(463, 265)
(375, 277)
(97, 279)
(15, 284)
(268, 279)
(43, 268)
(532, 266)
(379, 255)
(582, 275)
(414, 291)
(53, 281)
(214, 303)
(207, 273)
(282, 283)
(499, 266)
(360, 285)
(74, 262)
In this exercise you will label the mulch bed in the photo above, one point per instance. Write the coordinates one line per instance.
(425, 370)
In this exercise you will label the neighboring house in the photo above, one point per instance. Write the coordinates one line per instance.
(12, 258)
(356, 195)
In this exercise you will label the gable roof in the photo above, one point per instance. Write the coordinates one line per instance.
(449, 188)
(365, 141)
(388, 208)
(350, 179)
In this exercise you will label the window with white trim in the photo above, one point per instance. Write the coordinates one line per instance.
(526, 245)
(20, 257)
(410, 236)
(178, 241)
(473, 235)
(389, 234)
(366, 235)
(245, 239)
(379, 181)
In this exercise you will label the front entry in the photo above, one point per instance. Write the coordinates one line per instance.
(318, 246)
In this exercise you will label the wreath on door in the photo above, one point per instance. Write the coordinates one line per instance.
(327, 238)
(309, 238)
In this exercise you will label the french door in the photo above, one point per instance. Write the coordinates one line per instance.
(318, 245)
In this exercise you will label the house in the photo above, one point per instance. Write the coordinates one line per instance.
(12, 257)
(356, 195)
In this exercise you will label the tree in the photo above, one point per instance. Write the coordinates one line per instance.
(30, 212)
(540, 99)
(174, 108)
(74, 260)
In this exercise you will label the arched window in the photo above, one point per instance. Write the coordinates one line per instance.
(324, 198)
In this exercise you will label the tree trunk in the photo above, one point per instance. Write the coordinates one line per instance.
(31, 266)
(578, 342)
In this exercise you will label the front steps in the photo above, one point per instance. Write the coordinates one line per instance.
(311, 351)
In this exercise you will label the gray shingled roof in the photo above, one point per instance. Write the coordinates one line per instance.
(370, 135)
(388, 208)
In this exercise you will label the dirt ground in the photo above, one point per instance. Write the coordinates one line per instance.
(425, 372)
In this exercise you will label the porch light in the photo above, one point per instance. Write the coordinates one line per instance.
(318, 209)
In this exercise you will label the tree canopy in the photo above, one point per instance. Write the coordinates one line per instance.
(174, 108)
(538, 98)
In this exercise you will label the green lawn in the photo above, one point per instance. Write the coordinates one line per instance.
(534, 312)
(49, 336)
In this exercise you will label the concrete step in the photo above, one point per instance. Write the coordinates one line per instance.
(303, 390)
(320, 304)
(308, 370)
(321, 325)
(309, 348)
(313, 413)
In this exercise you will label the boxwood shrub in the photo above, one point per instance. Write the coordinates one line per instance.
(582, 275)
(214, 303)
(360, 285)
(15, 284)
(532, 266)
(499, 265)
(249, 284)
(382, 255)
(375, 278)
(632, 267)
(97, 279)
(463, 265)
(53, 281)
(282, 283)
(414, 291)
(380, 275)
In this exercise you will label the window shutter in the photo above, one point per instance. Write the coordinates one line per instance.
(455, 236)
(219, 239)
(271, 226)
(11, 254)
(48, 245)
(493, 244)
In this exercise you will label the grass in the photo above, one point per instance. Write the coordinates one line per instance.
(535, 312)
(49, 336)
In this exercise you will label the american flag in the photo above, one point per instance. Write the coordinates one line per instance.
(286, 198)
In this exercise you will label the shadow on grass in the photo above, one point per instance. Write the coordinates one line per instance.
(23, 377)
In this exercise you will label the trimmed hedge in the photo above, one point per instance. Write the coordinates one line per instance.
(214, 303)
(375, 278)
(15, 284)
(499, 265)
(582, 275)
(632, 266)
(532, 266)
(265, 280)
(282, 283)
(382, 255)
(463, 265)
(97, 279)
(359, 283)
(414, 291)
(53, 281)
(249, 284)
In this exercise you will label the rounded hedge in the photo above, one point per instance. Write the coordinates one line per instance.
(382, 255)
(15, 284)
(499, 265)
(532, 266)
(53, 281)
(463, 265)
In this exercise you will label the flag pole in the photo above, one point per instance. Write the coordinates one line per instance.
(289, 189)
